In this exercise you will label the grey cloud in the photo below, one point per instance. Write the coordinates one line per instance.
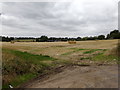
(59, 18)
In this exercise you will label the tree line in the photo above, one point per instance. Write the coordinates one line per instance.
(115, 34)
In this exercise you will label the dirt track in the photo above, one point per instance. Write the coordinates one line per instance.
(80, 77)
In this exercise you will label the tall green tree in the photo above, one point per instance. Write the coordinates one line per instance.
(101, 37)
(115, 34)
(43, 39)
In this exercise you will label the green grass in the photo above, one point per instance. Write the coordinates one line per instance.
(86, 52)
(29, 56)
(78, 49)
(74, 50)
(85, 58)
(93, 50)
(102, 57)
(23, 65)
(20, 79)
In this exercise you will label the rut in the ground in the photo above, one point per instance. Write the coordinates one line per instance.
(81, 77)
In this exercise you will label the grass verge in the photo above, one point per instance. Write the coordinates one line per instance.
(18, 67)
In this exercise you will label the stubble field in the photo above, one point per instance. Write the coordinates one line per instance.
(23, 61)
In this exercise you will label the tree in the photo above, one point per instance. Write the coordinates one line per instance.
(78, 38)
(85, 38)
(101, 37)
(37, 39)
(43, 39)
(115, 34)
(108, 36)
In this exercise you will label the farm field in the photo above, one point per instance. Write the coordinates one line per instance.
(23, 61)
(56, 49)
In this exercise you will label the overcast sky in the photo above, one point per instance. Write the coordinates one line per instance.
(59, 19)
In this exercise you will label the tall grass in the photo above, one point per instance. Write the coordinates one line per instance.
(19, 67)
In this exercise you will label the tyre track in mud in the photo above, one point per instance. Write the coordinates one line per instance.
(76, 76)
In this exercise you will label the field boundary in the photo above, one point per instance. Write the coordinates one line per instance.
(53, 71)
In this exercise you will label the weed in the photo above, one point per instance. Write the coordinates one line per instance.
(102, 57)
(74, 50)
(93, 50)
(83, 64)
(85, 58)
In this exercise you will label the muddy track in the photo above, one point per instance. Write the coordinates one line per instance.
(77, 76)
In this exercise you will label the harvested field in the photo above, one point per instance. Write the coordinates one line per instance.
(55, 49)
(95, 60)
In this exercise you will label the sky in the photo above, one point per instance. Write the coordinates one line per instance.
(78, 18)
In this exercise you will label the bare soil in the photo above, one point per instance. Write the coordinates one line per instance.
(79, 77)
